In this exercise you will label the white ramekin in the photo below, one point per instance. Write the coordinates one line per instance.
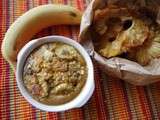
(77, 102)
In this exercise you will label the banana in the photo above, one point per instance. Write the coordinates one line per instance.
(31, 22)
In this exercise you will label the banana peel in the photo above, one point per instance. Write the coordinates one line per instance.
(34, 20)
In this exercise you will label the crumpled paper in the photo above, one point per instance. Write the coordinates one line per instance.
(122, 68)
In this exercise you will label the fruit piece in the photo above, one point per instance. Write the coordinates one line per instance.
(109, 17)
(134, 36)
(23, 29)
(110, 11)
(66, 52)
(150, 49)
(62, 89)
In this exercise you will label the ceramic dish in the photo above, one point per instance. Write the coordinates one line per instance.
(84, 94)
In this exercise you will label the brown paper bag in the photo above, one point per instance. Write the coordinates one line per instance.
(122, 68)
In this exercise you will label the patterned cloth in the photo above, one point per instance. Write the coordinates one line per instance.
(112, 98)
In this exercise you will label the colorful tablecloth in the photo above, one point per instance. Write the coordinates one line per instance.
(112, 98)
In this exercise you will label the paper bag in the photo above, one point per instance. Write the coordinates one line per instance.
(122, 68)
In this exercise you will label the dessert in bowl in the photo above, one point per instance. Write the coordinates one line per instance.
(55, 73)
